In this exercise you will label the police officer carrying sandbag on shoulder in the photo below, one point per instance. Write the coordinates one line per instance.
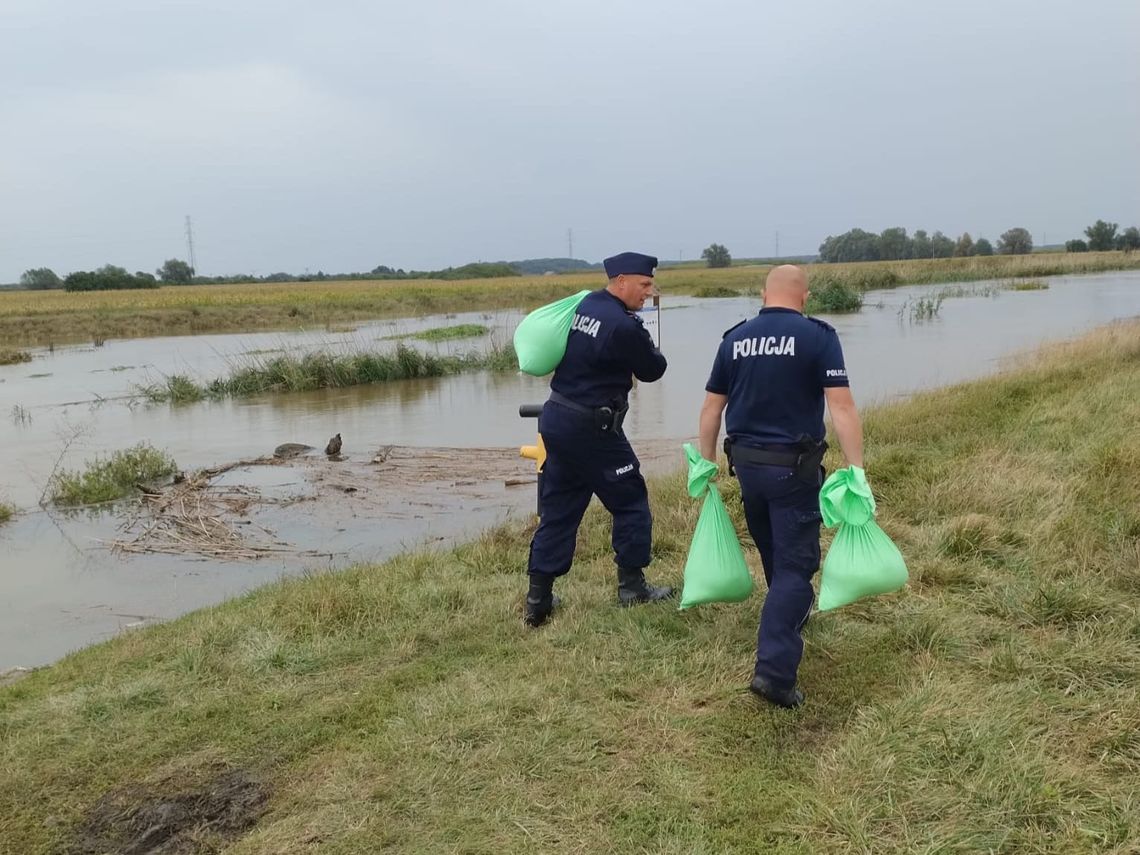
(587, 452)
(774, 372)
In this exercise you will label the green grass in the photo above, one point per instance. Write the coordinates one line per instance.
(921, 309)
(9, 356)
(323, 370)
(111, 478)
(447, 333)
(7, 511)
(953, 292)
(715, 291)
(993, 706)
(47, 317)
(831, 297)
(1030, 285)
(176, 388)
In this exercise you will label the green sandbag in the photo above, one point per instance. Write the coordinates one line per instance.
(715, 571)
(701, 471)
(845, 497)
(862, 560)
(540, 338)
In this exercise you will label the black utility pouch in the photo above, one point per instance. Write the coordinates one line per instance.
(810, 460)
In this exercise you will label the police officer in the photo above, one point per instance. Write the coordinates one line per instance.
(774, 372)
(587, 452)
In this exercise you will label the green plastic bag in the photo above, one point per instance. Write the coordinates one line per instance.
(540, 338)
(862, 560)
(715, 571)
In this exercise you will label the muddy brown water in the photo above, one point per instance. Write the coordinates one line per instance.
(62, 587)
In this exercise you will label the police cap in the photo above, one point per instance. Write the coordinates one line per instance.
(633, 263)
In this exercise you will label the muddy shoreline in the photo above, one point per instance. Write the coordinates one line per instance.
(236, 526)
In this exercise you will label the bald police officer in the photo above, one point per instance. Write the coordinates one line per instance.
(773, 373)
(587, 452)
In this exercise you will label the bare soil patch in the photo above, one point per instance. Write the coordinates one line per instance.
(172, 818)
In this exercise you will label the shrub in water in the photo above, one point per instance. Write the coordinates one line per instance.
(112, 478)
(830, 295)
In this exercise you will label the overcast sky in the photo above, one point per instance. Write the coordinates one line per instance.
(337, 136)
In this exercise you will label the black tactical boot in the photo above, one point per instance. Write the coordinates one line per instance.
(633, 589)
(787, 698)
(540, 599)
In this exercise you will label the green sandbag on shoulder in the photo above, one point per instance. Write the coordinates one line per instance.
(540, 338)
(715, 570)
(862, 560)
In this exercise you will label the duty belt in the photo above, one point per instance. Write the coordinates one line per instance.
(805, 456)
(605, 418)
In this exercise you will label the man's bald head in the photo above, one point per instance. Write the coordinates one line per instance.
(786, 287)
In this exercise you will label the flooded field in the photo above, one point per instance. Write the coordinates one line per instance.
(451, 442)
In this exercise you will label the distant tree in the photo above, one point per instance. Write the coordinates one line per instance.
(40, 278)
(983, 247)
(920, 245)
(115, 277)
(174, 271)
(1129, 239)
(1076, 246)
(1101, 235)
(107, 278)
(894, 244)
(942, 246)
(855, 245)
(143, 276)
(965, 247)
(1016, 241)
(716, 255)
(382, 269)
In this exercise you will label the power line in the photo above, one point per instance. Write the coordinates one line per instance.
(190, 245)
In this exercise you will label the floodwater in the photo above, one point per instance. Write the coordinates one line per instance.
(61, 588)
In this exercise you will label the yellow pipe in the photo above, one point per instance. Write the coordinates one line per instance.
(537, 453)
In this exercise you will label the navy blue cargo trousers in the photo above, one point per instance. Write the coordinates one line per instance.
(583, 461)
(783, 518)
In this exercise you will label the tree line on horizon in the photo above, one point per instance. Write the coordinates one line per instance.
(1102, 237)
(895, 244)
(177, 272)
(891, 244)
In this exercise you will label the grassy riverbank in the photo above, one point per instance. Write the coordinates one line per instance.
(57, 317)
(992, 706)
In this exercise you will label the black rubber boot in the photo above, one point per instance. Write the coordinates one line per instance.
(787, 698)
(540, 599)
(633, 589)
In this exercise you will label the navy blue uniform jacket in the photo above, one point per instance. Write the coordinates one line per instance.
(608, 346)
(774, 368)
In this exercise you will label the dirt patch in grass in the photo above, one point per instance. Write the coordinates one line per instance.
(172, 817)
